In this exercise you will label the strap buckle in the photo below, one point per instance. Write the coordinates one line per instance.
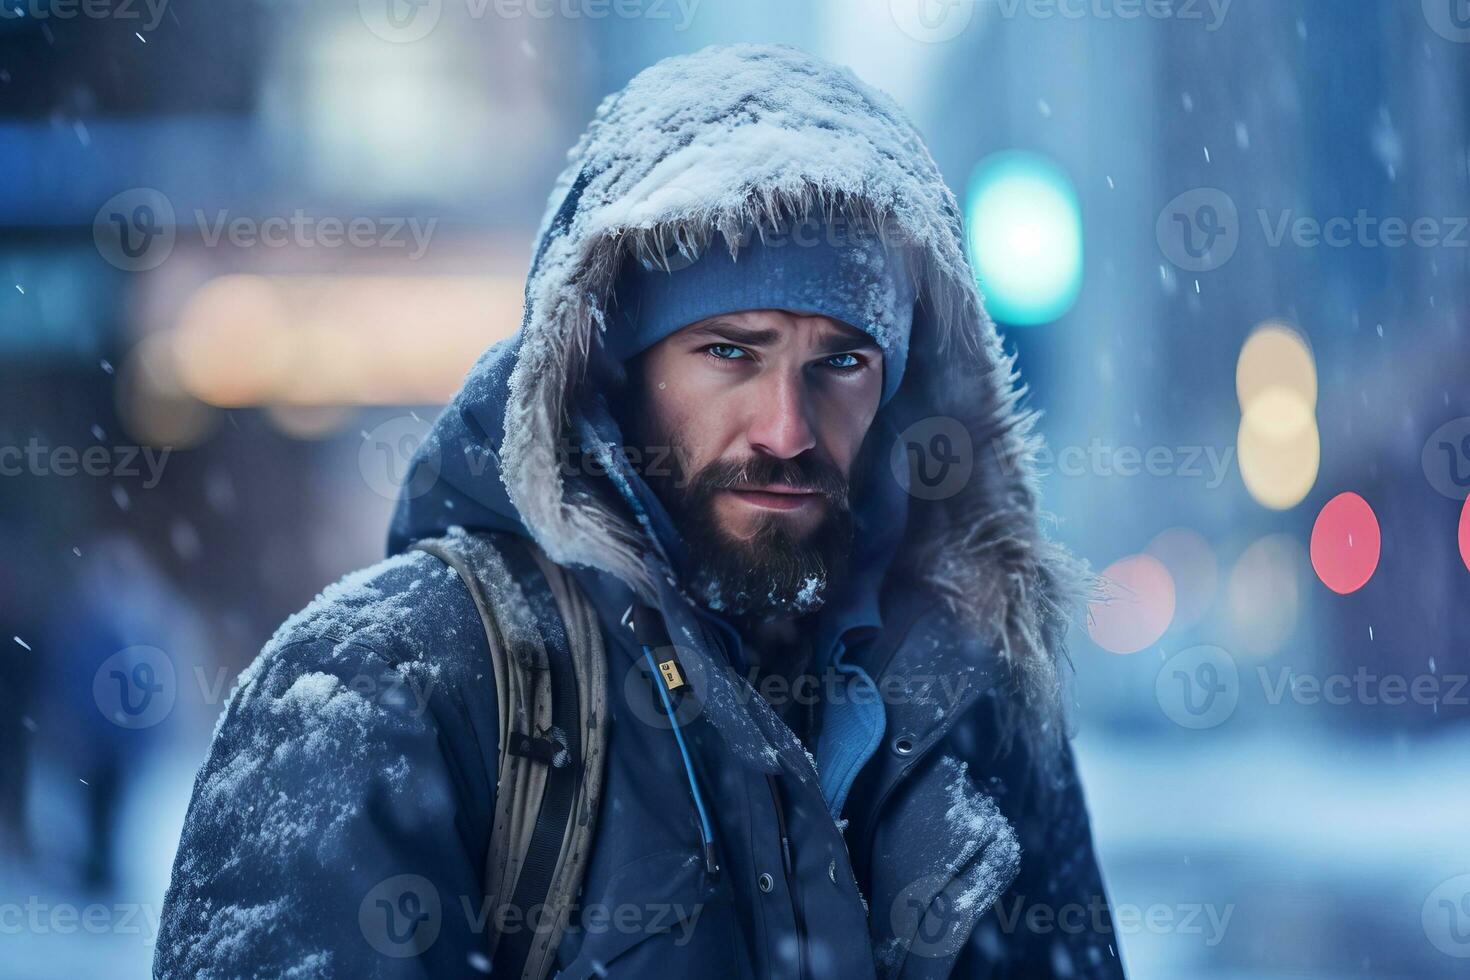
(536, 748)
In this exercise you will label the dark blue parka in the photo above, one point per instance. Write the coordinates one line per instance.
(341, 822)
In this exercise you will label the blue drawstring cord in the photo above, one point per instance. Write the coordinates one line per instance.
(707, 834)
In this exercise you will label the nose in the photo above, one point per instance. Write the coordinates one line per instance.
(779, 422)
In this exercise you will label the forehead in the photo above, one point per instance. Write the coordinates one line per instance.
(777, 326)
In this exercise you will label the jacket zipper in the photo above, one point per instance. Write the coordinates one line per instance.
(787, 873)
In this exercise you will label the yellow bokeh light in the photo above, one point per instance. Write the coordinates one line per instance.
(232, 343)
(1278, 448)
(1276, 356)
(245, 340)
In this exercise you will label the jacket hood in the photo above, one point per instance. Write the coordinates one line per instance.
(692, 153)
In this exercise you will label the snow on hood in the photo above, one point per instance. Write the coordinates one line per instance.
(707, 144)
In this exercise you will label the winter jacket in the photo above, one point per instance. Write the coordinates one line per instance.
(340, 824)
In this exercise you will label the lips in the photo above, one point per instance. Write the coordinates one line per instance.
(776, 497)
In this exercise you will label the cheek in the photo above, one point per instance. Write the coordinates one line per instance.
(846, 422)
(685, 417)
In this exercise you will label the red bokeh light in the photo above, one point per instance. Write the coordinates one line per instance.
(1465, 533)
(1345, 543)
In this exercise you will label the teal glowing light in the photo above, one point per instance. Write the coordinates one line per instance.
(1025, 237)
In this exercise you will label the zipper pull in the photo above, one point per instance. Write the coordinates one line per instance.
(669, 671)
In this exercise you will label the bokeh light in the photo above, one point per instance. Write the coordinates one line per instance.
(1276, 356)
(1137, 605)
(1465, 533)
(1263, 595)
(322, 341)
(1191, 563)
(151, 401)
(1025, 237)
(1279, 449)
(1345, 543)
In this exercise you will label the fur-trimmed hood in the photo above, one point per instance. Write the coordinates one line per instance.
(692, 152)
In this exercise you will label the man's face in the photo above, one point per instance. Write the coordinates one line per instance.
(768, 411)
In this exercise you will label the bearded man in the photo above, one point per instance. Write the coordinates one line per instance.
(756, 447)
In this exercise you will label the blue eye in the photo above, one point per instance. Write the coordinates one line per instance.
(844, 362)
(725, 352)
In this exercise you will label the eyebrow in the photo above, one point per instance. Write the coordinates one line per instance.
(832, 343)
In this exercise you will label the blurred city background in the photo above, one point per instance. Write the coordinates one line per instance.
(247, 247)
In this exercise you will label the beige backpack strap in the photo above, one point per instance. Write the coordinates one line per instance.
(550, 674)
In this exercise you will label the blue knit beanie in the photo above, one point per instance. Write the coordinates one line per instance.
(833, 269)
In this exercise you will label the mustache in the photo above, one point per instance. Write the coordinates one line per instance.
(806, 474)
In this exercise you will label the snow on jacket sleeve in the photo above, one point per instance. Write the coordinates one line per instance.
(340, 823)
(1055, 920)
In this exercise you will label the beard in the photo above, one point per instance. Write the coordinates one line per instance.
(771, 571)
